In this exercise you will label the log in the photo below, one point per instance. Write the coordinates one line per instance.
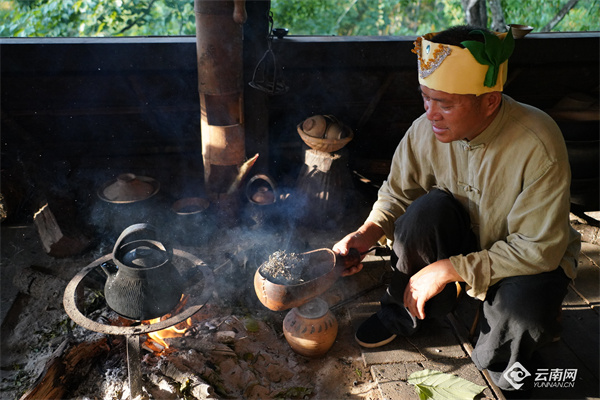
(201, 345)
(60, 236)
(67, 367)
(198, 388)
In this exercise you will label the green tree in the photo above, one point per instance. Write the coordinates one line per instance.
(411, 17)
(54, 18)
(69, 18)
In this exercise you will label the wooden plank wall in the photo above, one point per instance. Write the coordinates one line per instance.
(132, 103)
(371, 84)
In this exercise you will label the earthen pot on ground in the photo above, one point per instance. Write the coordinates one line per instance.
(126, 200)
(310, 329)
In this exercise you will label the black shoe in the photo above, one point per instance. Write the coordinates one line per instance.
(372, 333)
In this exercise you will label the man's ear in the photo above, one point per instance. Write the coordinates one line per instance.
(492, 101)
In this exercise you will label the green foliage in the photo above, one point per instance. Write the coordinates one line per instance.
(436, 385)
(538, 13)
(68, 18)
(364, 17)
(409, 17)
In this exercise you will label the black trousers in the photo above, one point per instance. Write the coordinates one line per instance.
(519, 314)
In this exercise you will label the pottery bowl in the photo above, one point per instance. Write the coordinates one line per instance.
(519, 31)
(322, 272)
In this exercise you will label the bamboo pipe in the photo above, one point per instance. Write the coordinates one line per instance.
(219, 45)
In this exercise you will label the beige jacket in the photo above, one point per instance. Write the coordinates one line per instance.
(513, 178)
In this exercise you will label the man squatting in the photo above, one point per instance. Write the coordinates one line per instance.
(477, 196)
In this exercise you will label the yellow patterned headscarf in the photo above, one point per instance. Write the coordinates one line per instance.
(479, 68)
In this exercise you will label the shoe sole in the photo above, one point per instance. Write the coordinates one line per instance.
(374, 345)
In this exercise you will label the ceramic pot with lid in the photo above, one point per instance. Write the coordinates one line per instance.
(310, 329)
(142, 283)
(263, 200)
(126, 200)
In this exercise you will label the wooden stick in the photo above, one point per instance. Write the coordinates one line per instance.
(242, 174)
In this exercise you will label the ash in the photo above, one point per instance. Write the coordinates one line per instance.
(235, 348)
(284, 268)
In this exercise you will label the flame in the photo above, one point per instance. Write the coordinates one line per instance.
(172, 331)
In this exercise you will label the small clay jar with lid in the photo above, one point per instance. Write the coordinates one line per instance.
(310, 329)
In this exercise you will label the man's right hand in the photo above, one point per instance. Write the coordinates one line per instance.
(362, 240)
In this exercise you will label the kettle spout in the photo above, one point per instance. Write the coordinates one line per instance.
(109, 268)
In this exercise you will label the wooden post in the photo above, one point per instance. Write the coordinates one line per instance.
(220, 69)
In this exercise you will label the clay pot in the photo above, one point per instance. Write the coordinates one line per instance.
(519, 31)
(263, 203)
(261, 190)
(315, 126)
(324, 133)
(310, 329)
(335, 131)
(128, 188)
(190, 206)
(191, 224)
(323, 269)
(126, 200)
(142, 283)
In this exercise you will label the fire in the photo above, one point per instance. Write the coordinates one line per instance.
(170, 332)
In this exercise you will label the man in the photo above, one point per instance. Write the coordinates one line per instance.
(478, 192)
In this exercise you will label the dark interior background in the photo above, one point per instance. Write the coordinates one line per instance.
(77, 112)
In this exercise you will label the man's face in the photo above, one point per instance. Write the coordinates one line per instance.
(454, 116)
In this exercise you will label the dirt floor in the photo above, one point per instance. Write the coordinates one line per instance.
(234, 348)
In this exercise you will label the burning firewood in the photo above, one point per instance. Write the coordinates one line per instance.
(67, 366)
(200, 344)
(188, 380)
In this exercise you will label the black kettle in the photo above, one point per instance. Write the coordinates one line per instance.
(143, 283)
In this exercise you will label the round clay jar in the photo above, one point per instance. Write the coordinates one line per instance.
(311, 328)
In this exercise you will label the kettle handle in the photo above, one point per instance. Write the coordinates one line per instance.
(136, 228)
(262, 177)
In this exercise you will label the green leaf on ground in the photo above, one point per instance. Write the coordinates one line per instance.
(440, 386)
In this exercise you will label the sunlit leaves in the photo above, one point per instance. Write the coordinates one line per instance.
(302, 17)
(409, 17)
(54, 18)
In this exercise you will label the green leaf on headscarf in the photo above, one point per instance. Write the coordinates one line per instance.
(492, 52)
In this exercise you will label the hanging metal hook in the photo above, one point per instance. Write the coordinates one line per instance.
(267, 76)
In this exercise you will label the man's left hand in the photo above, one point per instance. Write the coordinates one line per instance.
(427, 283)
